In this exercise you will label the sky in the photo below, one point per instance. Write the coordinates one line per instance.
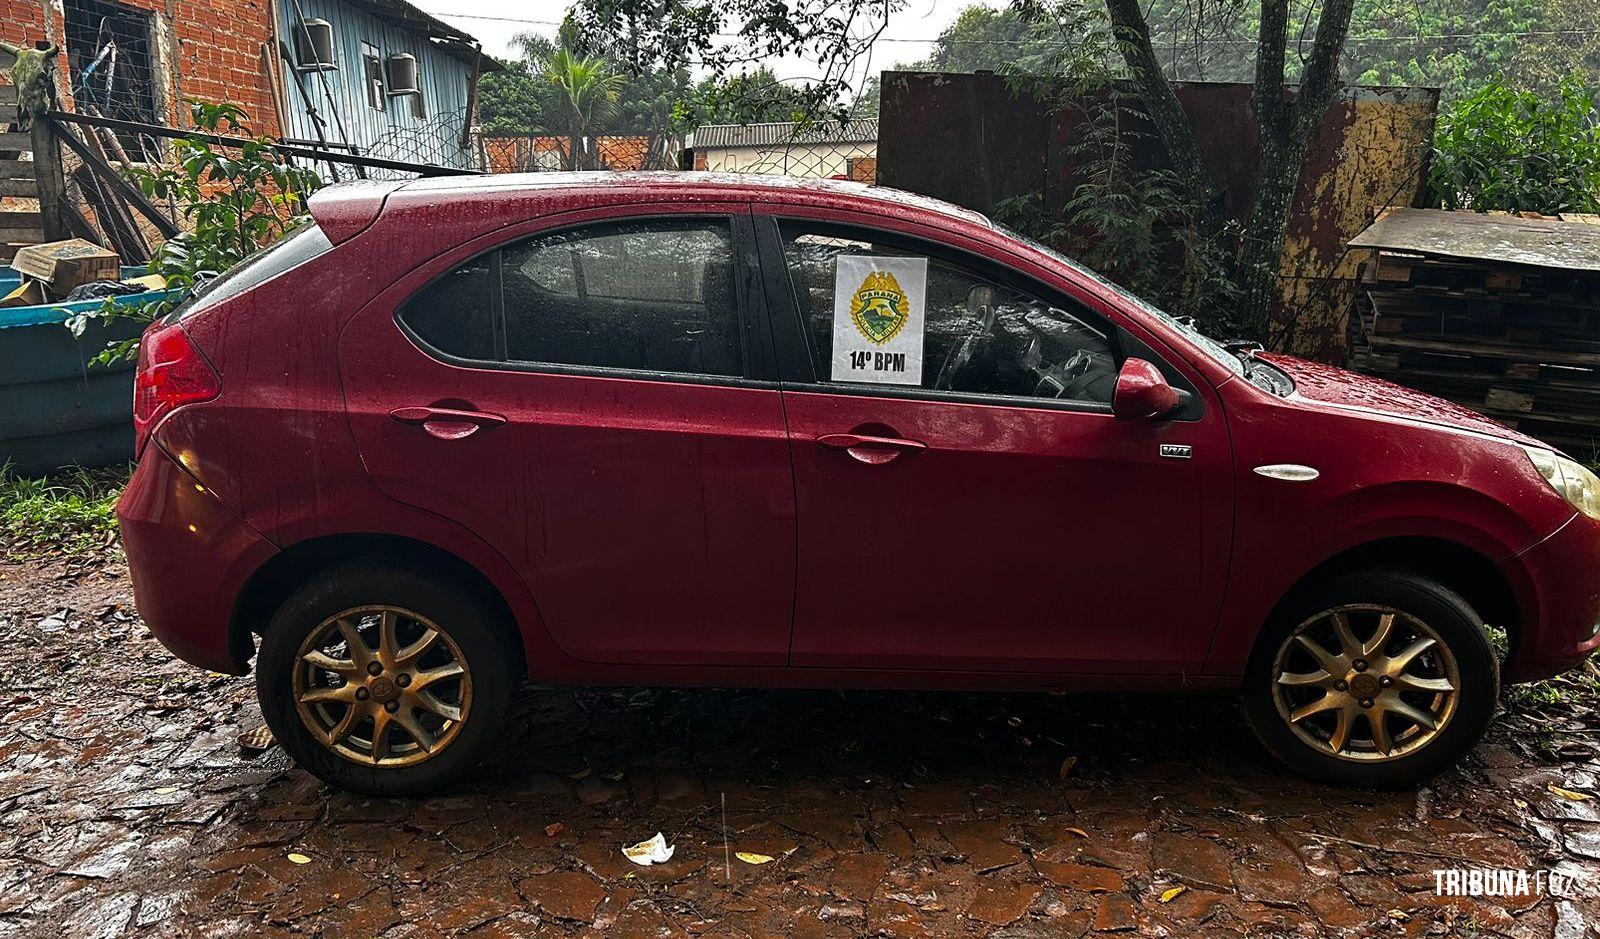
(907, 38)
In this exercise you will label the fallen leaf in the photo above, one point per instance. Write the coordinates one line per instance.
(1398, 915)
(1080, 833)
(1066, 766)
(553, 830)
(166, 790)
(299, 859)
(580, 774)
(1569, 794)
(750, 858)
(1167, 896)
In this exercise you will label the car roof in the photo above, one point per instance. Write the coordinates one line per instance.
(752, 186)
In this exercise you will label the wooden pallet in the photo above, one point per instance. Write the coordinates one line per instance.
(1518, 344)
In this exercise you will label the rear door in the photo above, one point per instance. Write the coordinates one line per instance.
(596, 399)
(973, 504)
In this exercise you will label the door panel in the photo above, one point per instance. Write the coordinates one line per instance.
(1018, 540)
(651, 514)
(967, 524)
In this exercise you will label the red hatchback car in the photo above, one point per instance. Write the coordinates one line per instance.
(717, 430)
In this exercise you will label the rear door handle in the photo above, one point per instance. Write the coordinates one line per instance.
(447, 423)
(869, 449)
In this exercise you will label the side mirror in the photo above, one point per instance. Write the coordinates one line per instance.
(1142, 392)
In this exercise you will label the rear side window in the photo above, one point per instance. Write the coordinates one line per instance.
(653, 295)
(455, 314)
(295, 248)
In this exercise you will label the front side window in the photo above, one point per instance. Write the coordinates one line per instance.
(652, 295)
(902, 317)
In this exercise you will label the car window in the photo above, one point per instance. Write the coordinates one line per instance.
(654, 295)
(970, 334)
(455, 314)
(297, 246)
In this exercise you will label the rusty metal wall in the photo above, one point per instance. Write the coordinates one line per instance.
(973, 140)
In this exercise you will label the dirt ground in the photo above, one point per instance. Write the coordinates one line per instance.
(128, 808)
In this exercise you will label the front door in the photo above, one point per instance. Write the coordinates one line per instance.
(590, 400)
(988, 513)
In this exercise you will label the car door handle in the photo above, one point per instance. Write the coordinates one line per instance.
(869, 449)
(447, 423)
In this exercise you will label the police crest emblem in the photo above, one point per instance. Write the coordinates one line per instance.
(879, 307)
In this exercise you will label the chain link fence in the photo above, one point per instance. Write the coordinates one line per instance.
(832, 150)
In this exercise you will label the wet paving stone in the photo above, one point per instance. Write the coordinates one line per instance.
(127, 808)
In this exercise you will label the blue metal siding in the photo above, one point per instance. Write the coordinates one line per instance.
(392, 132)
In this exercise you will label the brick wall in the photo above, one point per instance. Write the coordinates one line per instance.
(217, 55)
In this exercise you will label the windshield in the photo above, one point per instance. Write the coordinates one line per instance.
(1206, 344)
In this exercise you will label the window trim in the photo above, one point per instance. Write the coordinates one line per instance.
(799, 366)
(372, 58)
(755, 344)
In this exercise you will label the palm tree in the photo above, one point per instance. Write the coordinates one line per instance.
(580, 96)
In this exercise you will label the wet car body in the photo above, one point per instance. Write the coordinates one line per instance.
(642, 528)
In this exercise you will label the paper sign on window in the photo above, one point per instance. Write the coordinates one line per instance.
(878, 319)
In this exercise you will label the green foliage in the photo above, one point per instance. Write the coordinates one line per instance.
(1125, 220)
(508, 100)
(232, 202)
(746, 98)
(72, 513)
(1505, 148)
(579, 96)
(1454, 45)
(649, 100)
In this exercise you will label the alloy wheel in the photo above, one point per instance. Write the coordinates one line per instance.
(382, 686)
(1365, 682)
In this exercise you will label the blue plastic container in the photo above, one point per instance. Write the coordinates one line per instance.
(55, 411)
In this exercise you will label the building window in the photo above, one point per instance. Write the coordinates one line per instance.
(418, 109)
(111, 61)
(372, 71)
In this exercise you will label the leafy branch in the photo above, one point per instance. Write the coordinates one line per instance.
(232, 201)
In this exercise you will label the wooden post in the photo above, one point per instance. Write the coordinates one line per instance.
(47, 167)
(472, 97)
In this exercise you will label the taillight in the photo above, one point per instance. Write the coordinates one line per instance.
(171, 373)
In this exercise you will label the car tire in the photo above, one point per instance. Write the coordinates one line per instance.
(1283, 679)
(365, 597)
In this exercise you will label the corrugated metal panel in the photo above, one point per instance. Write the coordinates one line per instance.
(767, 135)
(393, 131)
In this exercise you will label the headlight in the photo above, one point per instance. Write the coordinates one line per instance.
(1572, 479)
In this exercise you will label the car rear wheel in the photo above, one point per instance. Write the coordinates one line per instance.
(384, 681)
(1374, 678)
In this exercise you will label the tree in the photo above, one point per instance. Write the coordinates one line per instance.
(509, 100)
(580, 96)
(756, 97)
(729, 37)
(1505, 148)
(1287, 119)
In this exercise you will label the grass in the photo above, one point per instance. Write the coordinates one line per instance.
(71, 513)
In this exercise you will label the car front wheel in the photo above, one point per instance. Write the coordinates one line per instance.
(1374, 678)
(384, 681)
